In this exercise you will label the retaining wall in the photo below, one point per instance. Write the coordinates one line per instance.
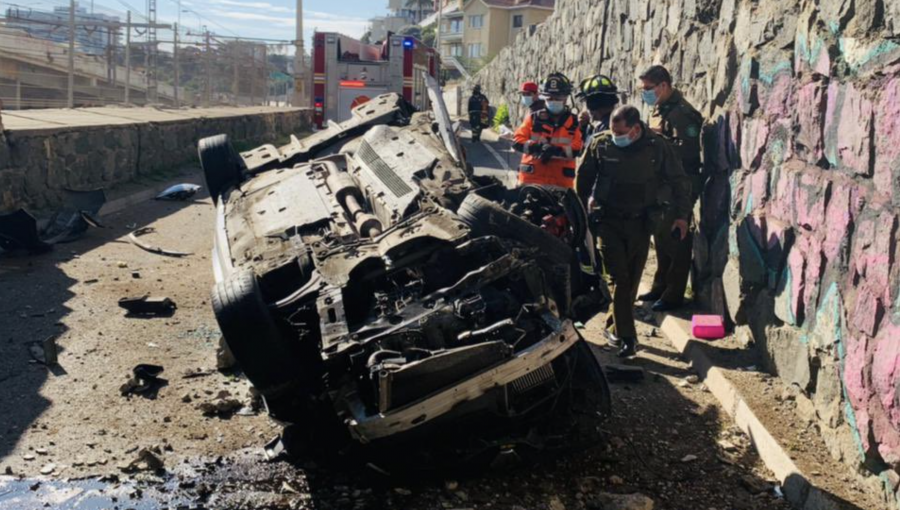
(38, 161)
(798, 225)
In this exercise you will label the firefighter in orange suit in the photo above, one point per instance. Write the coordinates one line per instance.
(550, 138)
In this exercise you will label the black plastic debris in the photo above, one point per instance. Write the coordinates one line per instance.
(146, 305)
(20, 230)
(145, 381)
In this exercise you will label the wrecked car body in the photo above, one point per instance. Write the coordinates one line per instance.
(374, 290)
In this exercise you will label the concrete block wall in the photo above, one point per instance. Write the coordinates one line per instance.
(798, 229)
(36, 165)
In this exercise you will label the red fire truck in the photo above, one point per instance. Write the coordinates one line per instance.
(347, 73)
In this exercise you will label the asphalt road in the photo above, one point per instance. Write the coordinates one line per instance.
(668, 442)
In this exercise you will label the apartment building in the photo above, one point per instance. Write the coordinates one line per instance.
(476, 30)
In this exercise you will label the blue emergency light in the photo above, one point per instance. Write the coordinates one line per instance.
(408, 43)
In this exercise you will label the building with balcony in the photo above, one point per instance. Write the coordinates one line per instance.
(474, 31)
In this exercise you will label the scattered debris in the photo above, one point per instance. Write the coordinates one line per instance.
(689, 458)
(623, 373)
(48, 469)
(179, 192)
(133, 238)
(274, 449)
(147, 460)
(754, 485)
(21, 230)
(728, 446)
(147, 305)
(45, 352)
(693, 379)
(609, 501)
(223, 405)
(192, 373)
(145, 382)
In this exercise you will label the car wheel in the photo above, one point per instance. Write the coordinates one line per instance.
(222, 165)
(485, 217)
(252, 334)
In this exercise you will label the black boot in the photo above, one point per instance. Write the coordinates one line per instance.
(629, 347)
(612, 340)
(650, 296)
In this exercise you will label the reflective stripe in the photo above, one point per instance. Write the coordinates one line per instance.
(587, 269)
(536, 137)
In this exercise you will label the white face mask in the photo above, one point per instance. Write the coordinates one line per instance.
(527, 100)
(555, 107)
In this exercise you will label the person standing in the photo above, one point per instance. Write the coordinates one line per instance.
(625, 176)
(530, 98)
(479, 106)
(550, 138)
(600, 96)
(674, 117)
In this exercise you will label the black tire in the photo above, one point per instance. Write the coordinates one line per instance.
(253, 336)
(222, 165)
(485, 217)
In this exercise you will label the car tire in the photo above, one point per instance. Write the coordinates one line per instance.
(485, 217)
(253, 336)
(221, 163)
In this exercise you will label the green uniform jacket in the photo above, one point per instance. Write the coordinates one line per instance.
(680, 121)
(632, 179)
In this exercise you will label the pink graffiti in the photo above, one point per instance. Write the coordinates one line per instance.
(837, 220)
(887, 125)
(854, 376)
(885, 373)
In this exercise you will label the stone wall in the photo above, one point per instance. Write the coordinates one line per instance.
(798, 226)
(37, 164)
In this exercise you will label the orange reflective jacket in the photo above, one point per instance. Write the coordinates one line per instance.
(539, 129)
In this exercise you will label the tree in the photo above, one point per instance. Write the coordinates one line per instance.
(412, 30)
(366, 38)
(428, 36)
(418, 4)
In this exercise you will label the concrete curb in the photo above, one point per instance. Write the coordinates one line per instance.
(797, 488)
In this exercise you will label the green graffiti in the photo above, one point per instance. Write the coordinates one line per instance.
(769, 75)
(872, 54)
(849, 413)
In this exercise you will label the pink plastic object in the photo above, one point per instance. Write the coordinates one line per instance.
(707, 327)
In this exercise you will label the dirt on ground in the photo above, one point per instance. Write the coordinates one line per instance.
(69, 437)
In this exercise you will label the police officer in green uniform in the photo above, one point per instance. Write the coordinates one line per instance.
(680, 123)
(626, 177)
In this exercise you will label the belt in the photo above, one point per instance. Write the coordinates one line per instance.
(568, 173)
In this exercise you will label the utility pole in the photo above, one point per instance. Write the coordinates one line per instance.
(254, 77)
(206, 98)
(128, 58)
(235, 80)
(71, 99)
(300, 98)
(175, 63)
(152, 52)
(437, 35)
(265, 75)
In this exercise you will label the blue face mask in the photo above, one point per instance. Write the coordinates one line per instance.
(527, 100)
(555, 107)
(622, 140)
(650, 96)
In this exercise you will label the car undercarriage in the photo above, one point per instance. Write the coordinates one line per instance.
(375, 291)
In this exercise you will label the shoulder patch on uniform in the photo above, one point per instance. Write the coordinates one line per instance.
(693, 130)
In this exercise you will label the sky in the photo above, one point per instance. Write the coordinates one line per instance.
(274, 19)
(267, 19)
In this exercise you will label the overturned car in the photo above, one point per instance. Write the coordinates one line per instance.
(374, 290)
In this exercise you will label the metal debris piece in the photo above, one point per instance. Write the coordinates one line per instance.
(274, 449)
(146, 305)
(179, 192)
(133, 237)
